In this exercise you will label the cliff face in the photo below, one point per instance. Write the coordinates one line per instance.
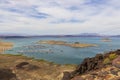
(100, 67)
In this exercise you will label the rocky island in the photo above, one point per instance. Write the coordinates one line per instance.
(106, 40)
(64, 43)
(5, 46)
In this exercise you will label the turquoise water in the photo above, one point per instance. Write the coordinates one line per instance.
(58, 53)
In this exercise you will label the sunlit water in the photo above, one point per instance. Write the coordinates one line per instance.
(58, 53)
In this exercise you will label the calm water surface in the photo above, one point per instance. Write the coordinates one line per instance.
(58, 53)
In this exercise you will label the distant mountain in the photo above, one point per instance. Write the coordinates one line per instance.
(75, 35)
(11, 35)
(90, 35)
(115, 36)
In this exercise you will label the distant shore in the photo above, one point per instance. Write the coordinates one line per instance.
(75, 44)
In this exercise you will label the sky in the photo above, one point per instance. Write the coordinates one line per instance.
(54, 17)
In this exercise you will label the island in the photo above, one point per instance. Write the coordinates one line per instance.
(106, 40)
(5, 46)
(64, 43)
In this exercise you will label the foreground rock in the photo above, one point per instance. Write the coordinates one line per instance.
(6, 74)
(21, 65)
(107, 73)
(100, 67)
(75, 44)
(26, 66)
(116, 62)
(90, 64)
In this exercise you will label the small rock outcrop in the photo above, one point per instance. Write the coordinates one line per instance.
(67, 76)
(6, 74)
(21, 65)
(26, 66)
(89, 64)
(116, 62)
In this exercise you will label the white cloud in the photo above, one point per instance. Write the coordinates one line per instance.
(23, 16)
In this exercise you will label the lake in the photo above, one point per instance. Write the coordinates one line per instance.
(58, 53)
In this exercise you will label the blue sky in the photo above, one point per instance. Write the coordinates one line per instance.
(59, 16)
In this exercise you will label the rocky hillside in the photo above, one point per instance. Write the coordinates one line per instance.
(101, 67)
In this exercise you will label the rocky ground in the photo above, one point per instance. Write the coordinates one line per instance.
(97, 68)
(107, 73)
(100, 67)
(23, 68)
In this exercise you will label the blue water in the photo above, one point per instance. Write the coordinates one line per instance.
(58, 53)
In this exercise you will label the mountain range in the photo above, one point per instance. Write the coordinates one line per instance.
(75, 35)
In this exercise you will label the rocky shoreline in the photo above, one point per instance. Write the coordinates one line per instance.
(101, 67)
(12, 67)
(17, 67)
(75, 44)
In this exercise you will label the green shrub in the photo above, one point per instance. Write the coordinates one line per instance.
(112, 56)
(106, 61)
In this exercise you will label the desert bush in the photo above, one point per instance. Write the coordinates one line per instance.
(112, 56)
(106, 61)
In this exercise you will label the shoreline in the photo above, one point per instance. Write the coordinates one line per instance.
(40, 69)
(100, 67)
(45, 70)
(35, 69)
(32, 58)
